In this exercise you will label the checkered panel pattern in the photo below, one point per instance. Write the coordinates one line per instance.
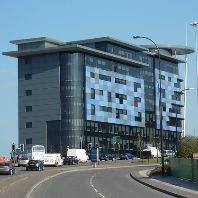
(170, 88)
(114, 88)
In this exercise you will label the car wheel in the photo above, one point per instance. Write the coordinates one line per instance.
(11, 172)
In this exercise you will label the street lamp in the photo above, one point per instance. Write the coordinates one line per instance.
(81, 141)
(177, 94)
(195, 24)
(160, 98)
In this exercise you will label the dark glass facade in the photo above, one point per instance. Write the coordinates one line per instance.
(72, 98)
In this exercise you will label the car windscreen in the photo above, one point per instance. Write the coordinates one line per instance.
(24, 158)
(71, 157)
(33, 161)
(4, 164)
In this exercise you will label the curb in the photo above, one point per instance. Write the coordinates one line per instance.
(156, 188)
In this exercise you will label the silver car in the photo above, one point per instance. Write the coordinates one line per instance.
(169, 153)
(23, 161)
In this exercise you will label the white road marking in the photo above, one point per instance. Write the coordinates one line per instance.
(101, 195)
(91, 184)
(95, 189)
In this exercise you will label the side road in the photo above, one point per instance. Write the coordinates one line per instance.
(168, 185)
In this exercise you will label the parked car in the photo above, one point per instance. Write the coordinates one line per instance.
(70, 160)
(126, 156)
(35, 165)
(146, 154)
(111, 156)
(23, 161)
(103, 157)
(169, 153)
(7, 168)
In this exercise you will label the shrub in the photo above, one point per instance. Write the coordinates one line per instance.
(187, 146)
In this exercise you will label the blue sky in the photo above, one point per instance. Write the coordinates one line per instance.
(67, 20)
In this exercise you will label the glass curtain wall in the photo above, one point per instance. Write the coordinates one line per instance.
(72, 99)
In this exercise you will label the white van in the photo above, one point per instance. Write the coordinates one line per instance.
(80, 154)
(154, 152)
(53, 159)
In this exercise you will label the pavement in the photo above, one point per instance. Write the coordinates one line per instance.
(172, 186)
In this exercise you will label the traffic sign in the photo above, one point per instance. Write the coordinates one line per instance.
(116, 140)
(94, 157)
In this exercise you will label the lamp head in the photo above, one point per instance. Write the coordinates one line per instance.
(194, 23)
(137, 36)
(187, 89)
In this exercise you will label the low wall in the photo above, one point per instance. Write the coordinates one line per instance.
(184, 168)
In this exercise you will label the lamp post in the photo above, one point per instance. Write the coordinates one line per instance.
(160, 98)
(81, 140)
(177, 94)
(195, 24)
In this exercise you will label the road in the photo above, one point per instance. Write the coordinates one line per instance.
(95, 183)
(109, 180)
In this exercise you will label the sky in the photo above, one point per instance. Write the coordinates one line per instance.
(164, 22)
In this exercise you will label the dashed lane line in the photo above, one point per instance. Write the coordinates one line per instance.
(91, 184)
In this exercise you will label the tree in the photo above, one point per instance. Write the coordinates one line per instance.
(187, 146)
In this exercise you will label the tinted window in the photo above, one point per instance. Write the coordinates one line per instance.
(29, 141)
(28, 76)
(28, 124)
(120, 81)
(28, 60)
(28, 108)
(28, 92)
(104, 77)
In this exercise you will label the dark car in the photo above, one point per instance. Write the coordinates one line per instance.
(111, 156)
(103, 157)
(70, 160)
(126, 156)
(7, 168)
(35, 165)
(146, 154)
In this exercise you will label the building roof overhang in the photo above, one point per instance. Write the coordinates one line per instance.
(39, 39)
(144, 48)
(167, 57)
(110, 40)
(75, 48)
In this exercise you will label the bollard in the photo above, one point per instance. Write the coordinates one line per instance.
(94, 165)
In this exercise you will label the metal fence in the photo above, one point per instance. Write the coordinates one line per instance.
(184, 168)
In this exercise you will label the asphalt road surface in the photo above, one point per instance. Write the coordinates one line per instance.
(95, 183)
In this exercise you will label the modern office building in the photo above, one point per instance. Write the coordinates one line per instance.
(101, 91)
